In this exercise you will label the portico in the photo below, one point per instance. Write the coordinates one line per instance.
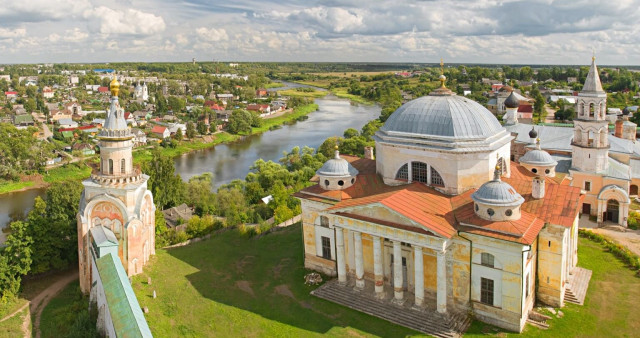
(403, 249)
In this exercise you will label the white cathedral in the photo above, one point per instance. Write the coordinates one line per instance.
(460, 215)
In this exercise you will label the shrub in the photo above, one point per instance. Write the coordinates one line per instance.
(618, 250)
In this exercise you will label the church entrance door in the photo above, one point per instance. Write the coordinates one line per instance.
(613, 208)
(586, 209)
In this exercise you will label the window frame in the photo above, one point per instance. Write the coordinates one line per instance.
(326, 247)
(487, 291)
(488, 260)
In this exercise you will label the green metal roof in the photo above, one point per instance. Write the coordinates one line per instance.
(24, 118)
(67, 134)
(126, 314)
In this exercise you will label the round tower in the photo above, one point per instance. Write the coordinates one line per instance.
(337, 173)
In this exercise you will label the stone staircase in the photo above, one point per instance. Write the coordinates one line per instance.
(426, 321)
(576, 288)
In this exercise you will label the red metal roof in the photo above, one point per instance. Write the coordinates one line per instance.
(158, 129)
(444, 215)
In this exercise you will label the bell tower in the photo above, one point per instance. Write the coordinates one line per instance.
(590, 137)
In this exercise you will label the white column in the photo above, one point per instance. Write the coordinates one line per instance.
(397, 271)
(377, 265)
(357, 239)
(342, 268)
(419, 274)
(442, 282)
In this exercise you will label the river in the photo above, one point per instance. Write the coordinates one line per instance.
(230, 161)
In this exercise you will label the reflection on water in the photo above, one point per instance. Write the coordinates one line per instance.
(230, 161)
(16, 205)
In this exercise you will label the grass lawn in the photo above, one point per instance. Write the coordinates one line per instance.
(276, 121)
(610, 308)
(299, 93)
(144, 155)
(342, 92)
(72, 171)
(12, 327)
(61, 312)
(9, 186)
(234, 286)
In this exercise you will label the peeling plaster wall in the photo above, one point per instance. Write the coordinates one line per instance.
(552, 256)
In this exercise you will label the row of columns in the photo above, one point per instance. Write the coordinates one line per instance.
(398, 277)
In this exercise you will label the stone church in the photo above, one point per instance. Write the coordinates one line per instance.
(442, 220)
(117, 199)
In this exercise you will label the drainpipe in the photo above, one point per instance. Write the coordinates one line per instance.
(522, 283)
(470, 264)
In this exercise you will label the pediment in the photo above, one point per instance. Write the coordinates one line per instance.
(381, 212)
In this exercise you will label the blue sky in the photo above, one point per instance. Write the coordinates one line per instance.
(485, 31)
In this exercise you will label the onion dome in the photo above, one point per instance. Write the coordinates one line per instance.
(114, 86)
(538, 157)
(512, 101)
(337, 173)
(533, 133)
(497, 193)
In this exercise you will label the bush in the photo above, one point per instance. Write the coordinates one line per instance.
(618, 250)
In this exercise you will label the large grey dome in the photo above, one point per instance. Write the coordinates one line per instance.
(446, 116)
(497, 193)
(538, 157)
(337, 167)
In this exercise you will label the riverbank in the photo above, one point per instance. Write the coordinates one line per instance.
(80, 171)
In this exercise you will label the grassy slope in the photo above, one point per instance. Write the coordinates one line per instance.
(6, 187)
(13, 326)
(200, 292)
(67, 172)
(61, 312)
(609, 308)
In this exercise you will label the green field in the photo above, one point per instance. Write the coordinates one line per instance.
(61, 312)
(294, 92)
(234, 286)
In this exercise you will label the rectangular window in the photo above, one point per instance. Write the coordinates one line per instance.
(324, 221)
(587, 186)
(526, 290)
(326, 247)
(419, 172)
(487, 259)
(486, 291)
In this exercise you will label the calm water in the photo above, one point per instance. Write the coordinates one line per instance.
(230, 161)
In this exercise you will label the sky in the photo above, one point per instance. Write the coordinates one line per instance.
(459, 31)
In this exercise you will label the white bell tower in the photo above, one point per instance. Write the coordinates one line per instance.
(591, 129)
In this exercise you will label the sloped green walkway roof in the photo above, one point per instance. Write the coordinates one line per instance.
(127, 316)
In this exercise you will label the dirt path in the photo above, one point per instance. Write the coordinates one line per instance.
(39, 302)
(630, 238)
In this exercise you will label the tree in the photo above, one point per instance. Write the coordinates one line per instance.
(15, 261)
(176, 103)
(240, 121)
(167, 188)
(30, 105)
(202, 128)
(178, 135)
(191, 130)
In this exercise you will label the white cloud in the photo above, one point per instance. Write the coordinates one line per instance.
(6, 33)
(212, 34)
(130, 21)
(75, 35)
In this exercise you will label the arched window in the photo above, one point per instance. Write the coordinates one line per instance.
(591, 109)
(500, 165)
(436, 179)
(419, 172)
(582, 113)
(487, 259)
(110, 167)
(324, 221)
(403, 173)
(123, 168)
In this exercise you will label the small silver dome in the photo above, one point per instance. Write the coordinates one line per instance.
(443, 116)
(337, 167)
(497, 193)
(538, 157)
